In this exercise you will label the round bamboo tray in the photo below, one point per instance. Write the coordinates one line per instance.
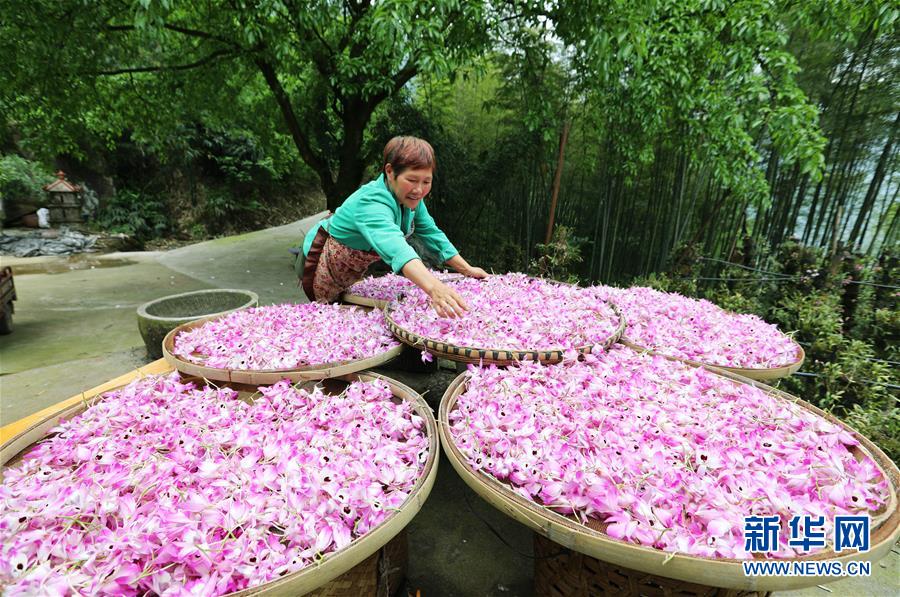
(314, 579)
(762, 374)
(561, 572)
(726, 573)
(267, 376)
(492, 356)
(379, 575)
(364, 301)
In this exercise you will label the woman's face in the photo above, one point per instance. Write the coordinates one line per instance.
(410, 186)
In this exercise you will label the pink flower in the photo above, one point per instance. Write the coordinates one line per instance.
(667, 455)
(285, 337)
(389, 286)
(698, 330)
(206, 494)
(513, 312)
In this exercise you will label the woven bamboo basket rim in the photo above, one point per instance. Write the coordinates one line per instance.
(493, 356)
(759, 374)
(335, 563)
(365, 301)
(725, 573)
(267, 376)
(362, 301)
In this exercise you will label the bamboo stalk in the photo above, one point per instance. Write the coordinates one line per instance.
(560, 160)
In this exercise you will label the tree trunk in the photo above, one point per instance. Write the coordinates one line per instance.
(891, 230)
(351, 164)
(606, 178)
(848, 116)
(563, 137)
(355, 117)
(763, 211)
(881, 218)
(813, 206)
(845, 190)
(786, 191)
(312, 158)
(874, 185)
(798, 204)
(808, 235)
(615, 230)
(833, 244)
(676, 195)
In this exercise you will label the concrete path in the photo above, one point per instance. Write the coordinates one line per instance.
(257, 261)
(75, 328)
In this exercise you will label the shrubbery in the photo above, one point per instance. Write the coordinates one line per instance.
(556, 258)
(21, 181)
(208, 181)
(135, 214)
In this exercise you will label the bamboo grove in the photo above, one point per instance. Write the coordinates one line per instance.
(632, 217)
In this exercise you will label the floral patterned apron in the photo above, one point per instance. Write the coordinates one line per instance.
(331, 267)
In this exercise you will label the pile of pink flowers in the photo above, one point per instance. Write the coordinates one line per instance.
(513, 312)
(667, 455)
(286, 336)
(164, 488)
(390, 286)
(698, 329)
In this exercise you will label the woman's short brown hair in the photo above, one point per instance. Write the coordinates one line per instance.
(408, 152)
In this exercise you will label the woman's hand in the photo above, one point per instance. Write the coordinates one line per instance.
(446, 301)
(462, 266)
(475, 272)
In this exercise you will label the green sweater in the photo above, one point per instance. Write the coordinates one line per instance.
(371, 219)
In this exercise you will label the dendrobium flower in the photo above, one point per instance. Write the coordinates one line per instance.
(697, 329)
(390, 286)
(666, 455)
(513, 312)
(286, 336)
(165, 488)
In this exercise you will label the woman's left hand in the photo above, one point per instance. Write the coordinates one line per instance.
(475, 272)
(462, 266)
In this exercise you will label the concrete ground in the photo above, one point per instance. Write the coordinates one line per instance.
(75, 328)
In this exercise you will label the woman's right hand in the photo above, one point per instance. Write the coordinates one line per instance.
(446, 302)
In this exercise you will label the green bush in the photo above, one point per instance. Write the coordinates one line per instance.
(21, 180)
(135, 214)
(556, 259)
(737, 302)
(816, 319)
(232, 155)
(223, 209)
(510, 257)
(855, 387)
(884, 325)
(667, 283)
(882, 426)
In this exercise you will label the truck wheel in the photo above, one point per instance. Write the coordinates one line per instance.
(6, 325)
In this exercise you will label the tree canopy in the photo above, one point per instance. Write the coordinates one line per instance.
(317, 69)
(717, 75)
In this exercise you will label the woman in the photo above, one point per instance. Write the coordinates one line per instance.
(375, 223)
